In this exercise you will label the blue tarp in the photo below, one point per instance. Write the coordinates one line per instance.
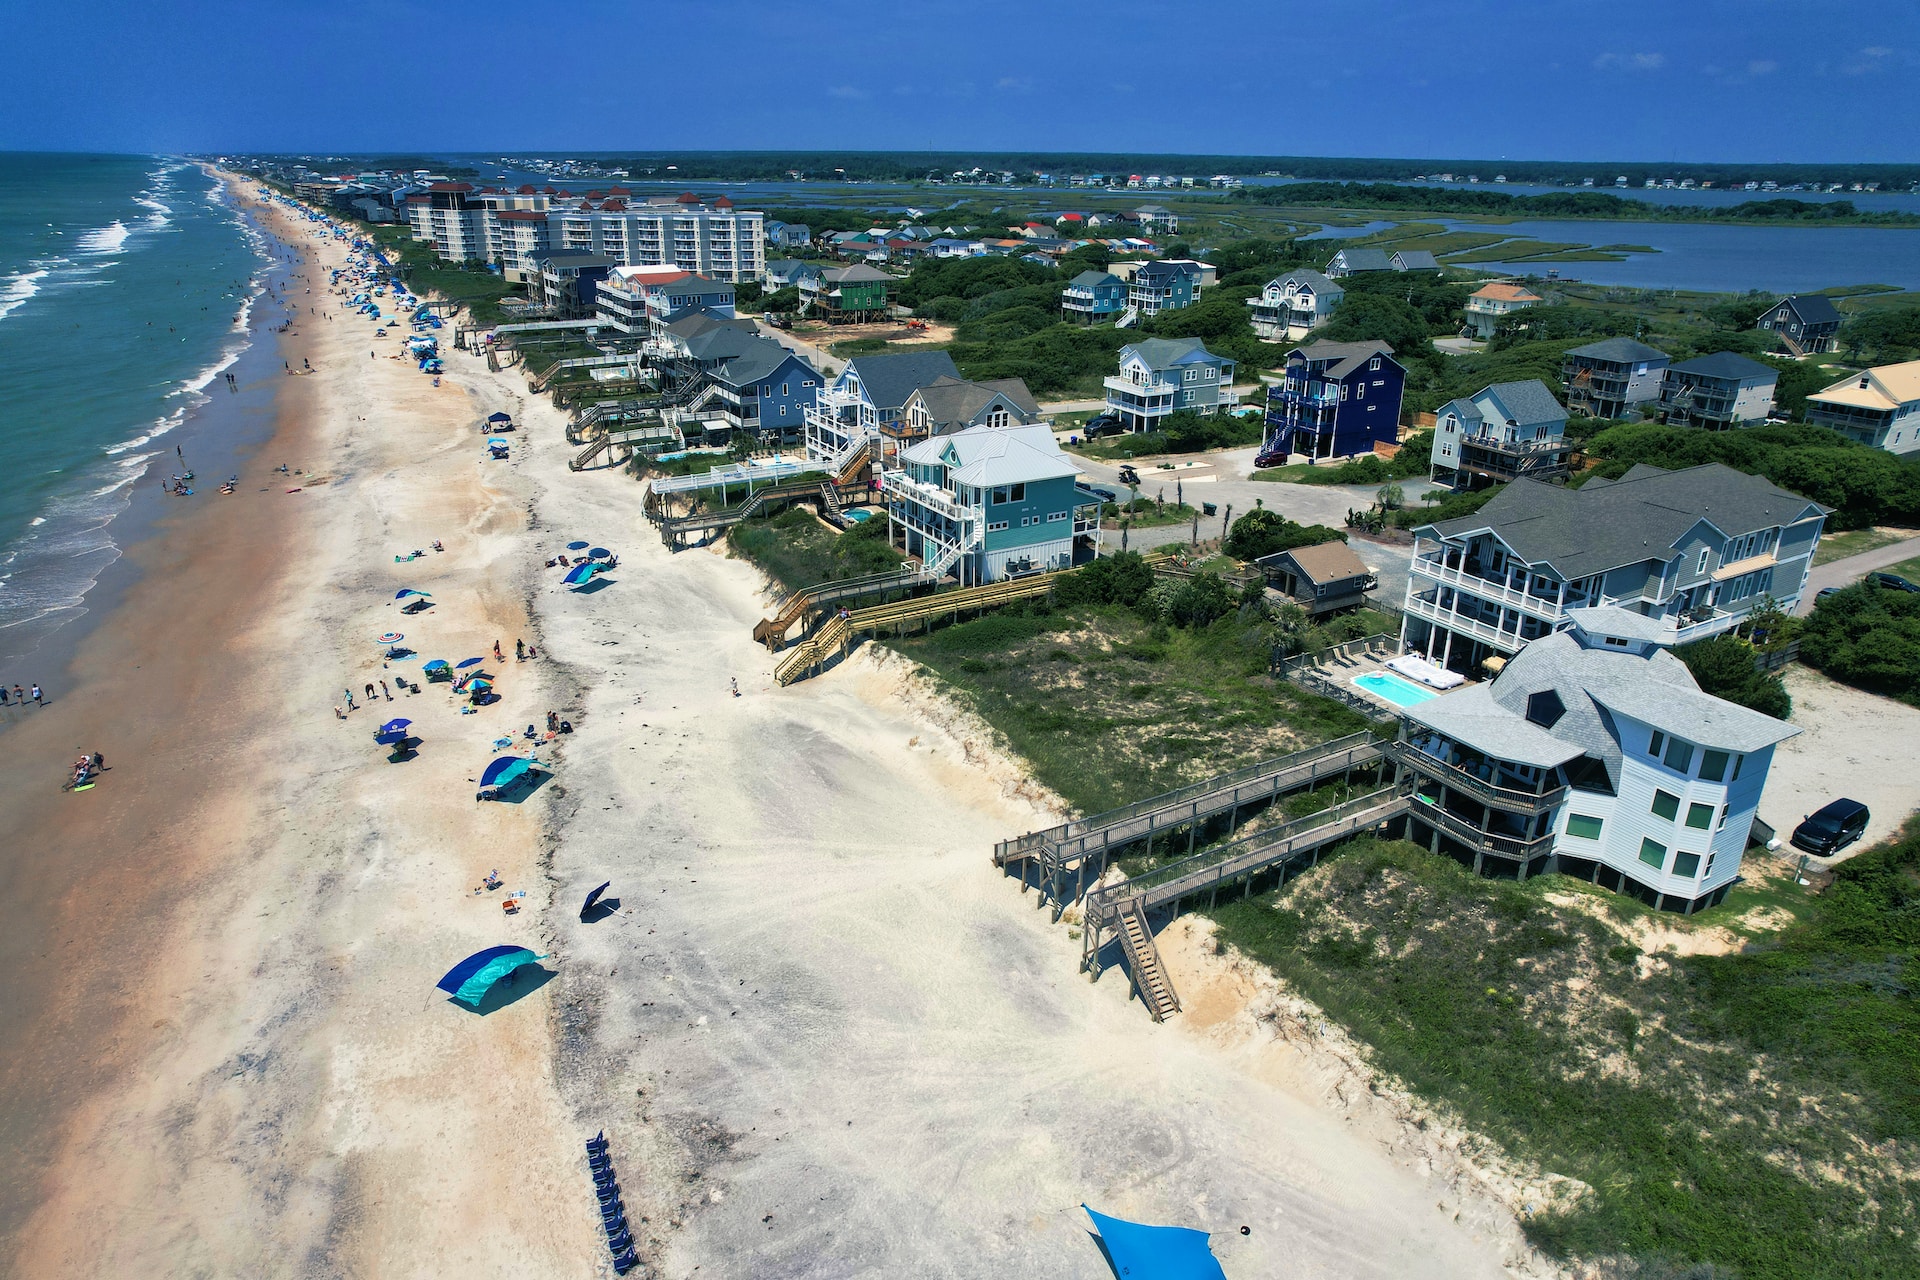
(1140, 1252)
(471, 979)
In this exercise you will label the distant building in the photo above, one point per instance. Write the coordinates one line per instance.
(1161, 376)
(1717, 391)
(1348, 262)
(448, 217)
(789, 271)
(1492, 303)
(566, 282)
(1294, 305)
(1334, 400)
(1612, 378)
(1323, 579)
(1503, 432)
(789, 235)
(1163, 286)
(989, 503)
(1157, 219)
(1594, 753)
(1878, 407)
(1094, 297)
(1414, 260)
(1806, 322)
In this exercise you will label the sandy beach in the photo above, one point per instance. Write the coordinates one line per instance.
(825, 1037)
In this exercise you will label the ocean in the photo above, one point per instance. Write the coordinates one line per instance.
(127, 289)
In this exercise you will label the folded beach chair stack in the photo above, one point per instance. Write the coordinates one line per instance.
(612, 1215)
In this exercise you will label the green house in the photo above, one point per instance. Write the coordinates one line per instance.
(846, 295)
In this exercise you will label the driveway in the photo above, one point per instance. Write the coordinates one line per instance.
(1224, 478)
(1851, 743)
(1844, 573)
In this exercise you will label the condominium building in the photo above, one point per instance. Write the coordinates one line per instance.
(448, 216)
(1880, 407)
(1595, 754)
(1693, 551)
(640, 301)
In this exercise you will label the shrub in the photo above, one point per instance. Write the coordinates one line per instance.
(1724, 667)
(1867, 636)
(1200, 600)
(1261, 532)
(1123, 579)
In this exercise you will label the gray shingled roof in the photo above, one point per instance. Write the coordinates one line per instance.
(890, 379)
(762, 358)
(1619, 350)
(1345, 355)
(1527, 403)
(951, 400)
(1315, 280)
(1727, 365)
(1589, 530)
(1416, 260)
(1812, 308)
(1164, 353)
(1364, 259)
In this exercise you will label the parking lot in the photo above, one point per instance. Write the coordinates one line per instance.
(1852, 744)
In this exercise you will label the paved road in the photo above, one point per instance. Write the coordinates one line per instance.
(1841, 573)
(1224, 478)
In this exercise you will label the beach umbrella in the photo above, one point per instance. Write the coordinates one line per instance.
(389, 637)
(394, 726)
(471, 979)
(1166, 1253)
(498, 417)
(404, 592)
(392, 733)
(469, 662)
(479, 683)
(581, 573)
(576, 546)
(599, 553)
(504, 770)
(438, 664)
(497, 440)
(593, 898)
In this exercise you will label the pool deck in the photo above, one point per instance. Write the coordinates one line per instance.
(1343, 671)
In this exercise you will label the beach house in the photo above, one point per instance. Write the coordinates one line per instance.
(1293, 305)
(1717, 391)
(1595, 754)
(1488, 305)
(763, 390)
(1348, 262)
(846, 295)
(1160, 376)
(1878, 406)
(1500, 433)
(1334, 400)
(1324, 579)
(1163, 286)
(1612, 378)
(1807, 323)
(565, 281)
(1694, 551)
(988, 503)
(1414, 260)
(1094, 297)
(946, 406)
(849, 411)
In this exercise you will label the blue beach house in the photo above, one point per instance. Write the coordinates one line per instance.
(989, 503)
(1094, 297)
(1335, 400)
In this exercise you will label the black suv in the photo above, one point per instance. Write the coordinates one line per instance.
(1836, 826)
(1891, 582)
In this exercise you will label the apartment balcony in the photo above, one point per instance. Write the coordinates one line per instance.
(1519, 849)
(1141, 390)
(900, 487)
(1511, 460)
(1497, 591)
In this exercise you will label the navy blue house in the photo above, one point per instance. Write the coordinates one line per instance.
(1335, 400)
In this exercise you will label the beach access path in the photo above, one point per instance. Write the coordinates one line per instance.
(827, 1038)
(234, 1061)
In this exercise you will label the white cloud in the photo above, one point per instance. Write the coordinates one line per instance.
(1014, 84)
(1762, 67)
(1630, 61)
(1873, 58)
(846, 91)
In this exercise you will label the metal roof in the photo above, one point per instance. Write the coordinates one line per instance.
(1727, 365)
(1619, 351)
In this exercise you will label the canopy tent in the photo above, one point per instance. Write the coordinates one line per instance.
(505, 770)
(471, 979)
(592, 898)
(1156, 1253)
(437, 664)
(499, 417)
(583, 572)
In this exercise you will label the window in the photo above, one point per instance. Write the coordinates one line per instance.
(999, 495)
(1654, 743)
(1724, 810)
(1653, 853)
(1686, 865)
(1058, 515)
(1212, 374)
(1374, 363)
(1679, 755)
(1737, 762)
(1343, 391)
(1615, 641)
(1019, 493)
(1360, 391)
(786, 388)
(996, 526)
(1193, 375)
(1545, 708)
(1700, 816)
(1582, 827)
(1713, 766)
(1701, 567)
(1666, 804)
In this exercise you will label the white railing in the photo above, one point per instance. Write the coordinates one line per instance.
(898, 484)
(1464, 625)
(1547, 610)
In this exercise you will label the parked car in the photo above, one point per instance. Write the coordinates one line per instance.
(1264, 460)
(1824, 592)
(1105, 495)
(1832, 829)
(1104, 424)
(1891, 582)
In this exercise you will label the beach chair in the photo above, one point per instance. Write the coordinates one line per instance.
(620, 1241)
(598, 1142)
(626, 1262)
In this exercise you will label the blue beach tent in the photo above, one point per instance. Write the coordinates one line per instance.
(582, 573)
(1139, 1252)
(471, 979)
(505, 770)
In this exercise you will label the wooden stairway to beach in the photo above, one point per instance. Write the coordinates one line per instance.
(1143, 963)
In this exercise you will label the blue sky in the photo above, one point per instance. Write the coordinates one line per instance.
(1752, 80)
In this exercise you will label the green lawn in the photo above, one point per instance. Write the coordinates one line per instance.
(1754, 1111)
(1853, 542)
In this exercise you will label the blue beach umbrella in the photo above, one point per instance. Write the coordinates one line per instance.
(470, 662)
(576, 546)
(594, 897)
(505, 770)
(1165, 1253)
(392, 731)
(471, 979)
(599, 553)
(437, 664)
(404, 592)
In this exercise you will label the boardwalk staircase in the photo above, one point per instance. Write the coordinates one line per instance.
(1062, 861)
(795, 606)
(658, 437)
(816, 650)
(1150, 981)
(675, 529)
(1127, 318)
(541, 381)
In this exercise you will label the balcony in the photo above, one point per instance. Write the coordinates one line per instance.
(900, 486)
(1128, 387)
(1485, 790)
(1498, 592)
(1429, 609)
(1521, 850)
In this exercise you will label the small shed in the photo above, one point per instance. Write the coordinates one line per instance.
(1322, 579)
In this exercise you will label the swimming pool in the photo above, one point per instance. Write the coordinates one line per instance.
(1399, 691)
(859, 515)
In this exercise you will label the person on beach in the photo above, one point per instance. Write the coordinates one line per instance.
(38, 700)
(385, 692)
(553, 722)
(349, 694)
(19, 695)
(519, 650)
(497, 655)
(369, 691)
